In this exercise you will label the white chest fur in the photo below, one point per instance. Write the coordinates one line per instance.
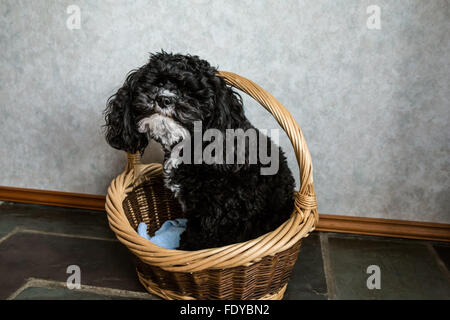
(169, 133)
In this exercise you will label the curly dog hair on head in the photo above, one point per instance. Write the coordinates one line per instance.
(224, 202)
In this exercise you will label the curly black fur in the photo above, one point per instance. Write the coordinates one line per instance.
(224, 203)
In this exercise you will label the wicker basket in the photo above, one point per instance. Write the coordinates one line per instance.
(256, 269)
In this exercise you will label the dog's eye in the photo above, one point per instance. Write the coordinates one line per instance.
(166, 102)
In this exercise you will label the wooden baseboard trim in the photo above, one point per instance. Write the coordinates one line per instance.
(327, 223)
(384, 227)
(53, 198)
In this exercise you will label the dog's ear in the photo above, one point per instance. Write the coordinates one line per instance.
(227, 107)
(227, 113)
(121, 128)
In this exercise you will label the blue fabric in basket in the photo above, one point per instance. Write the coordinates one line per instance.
(168, 236)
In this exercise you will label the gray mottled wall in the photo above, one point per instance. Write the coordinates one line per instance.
(373, 104)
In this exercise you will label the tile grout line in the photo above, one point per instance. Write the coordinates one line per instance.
(329, 275)
(51, 284)
(437, 258)
(66, 235)
(11, 233)
(19, 290)
(381, 238)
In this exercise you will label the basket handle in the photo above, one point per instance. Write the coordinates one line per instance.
(306, 198)
(133, 160)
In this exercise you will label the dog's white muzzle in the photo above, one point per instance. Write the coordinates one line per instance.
(163, 128)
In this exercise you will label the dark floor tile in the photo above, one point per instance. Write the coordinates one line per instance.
(53, 219)
(444, 254)
(102, 263)
(408, 270)
(36, 293)
(308, 279)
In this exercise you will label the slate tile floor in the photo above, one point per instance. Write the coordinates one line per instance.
(38, 243)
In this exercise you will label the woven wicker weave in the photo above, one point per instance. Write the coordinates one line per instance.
(256, 269)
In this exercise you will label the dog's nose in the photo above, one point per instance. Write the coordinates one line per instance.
(163, 101)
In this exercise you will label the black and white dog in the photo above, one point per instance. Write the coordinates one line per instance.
(225, 201)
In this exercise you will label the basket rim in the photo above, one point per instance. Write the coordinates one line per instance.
(302, 221)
